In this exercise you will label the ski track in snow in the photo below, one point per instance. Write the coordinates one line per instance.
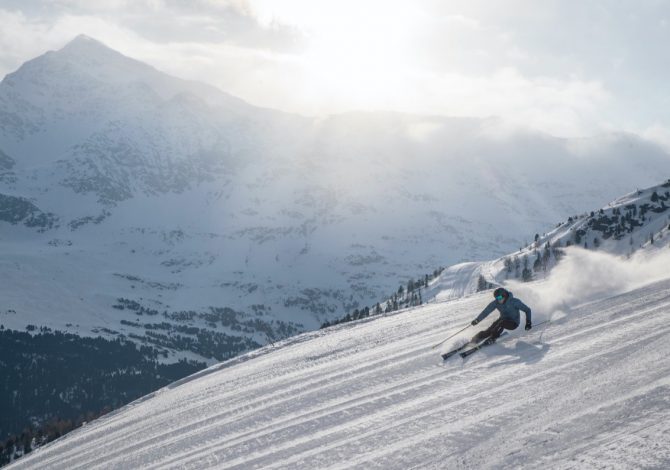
(595, 393)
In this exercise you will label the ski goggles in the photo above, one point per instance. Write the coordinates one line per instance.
(500, 298)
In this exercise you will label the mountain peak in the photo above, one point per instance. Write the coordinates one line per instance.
(86, 45)
(84, 39)
(86, 67)
(80, 60)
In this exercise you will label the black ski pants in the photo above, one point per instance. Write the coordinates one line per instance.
(495, 329)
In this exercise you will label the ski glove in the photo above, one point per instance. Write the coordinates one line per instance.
(528, 326)
(474, 322)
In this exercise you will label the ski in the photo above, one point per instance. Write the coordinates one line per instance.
(446, 356)
(474, 349)
(486, 342)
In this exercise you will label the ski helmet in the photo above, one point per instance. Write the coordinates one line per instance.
(501, 292)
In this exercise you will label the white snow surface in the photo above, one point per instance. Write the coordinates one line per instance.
(590, 390)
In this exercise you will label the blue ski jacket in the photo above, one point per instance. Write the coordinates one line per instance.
(509, 310)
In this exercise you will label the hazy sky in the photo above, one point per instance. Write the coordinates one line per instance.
(567, 67)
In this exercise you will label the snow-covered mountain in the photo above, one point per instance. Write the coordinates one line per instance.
(137, 205)
(589, 389)
(635, 224)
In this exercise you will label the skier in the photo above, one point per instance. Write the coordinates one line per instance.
(509, 307)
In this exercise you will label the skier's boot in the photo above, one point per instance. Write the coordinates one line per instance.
(492, 339)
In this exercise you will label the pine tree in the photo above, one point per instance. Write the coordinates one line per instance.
(517, 265)
(508, 264)
(482, 284)
(546, 256)
(526, 274)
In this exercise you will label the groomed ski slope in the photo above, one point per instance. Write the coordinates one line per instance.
(590, 391)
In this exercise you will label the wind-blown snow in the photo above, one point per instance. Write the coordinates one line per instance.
(591, 390)
(589, 275)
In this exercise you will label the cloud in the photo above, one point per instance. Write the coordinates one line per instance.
(215, 23)
(594, 73)
(658, 133)
(560, 107)
(462, 20)
(166, 21)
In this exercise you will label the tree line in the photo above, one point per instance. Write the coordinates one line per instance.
(408, 295)
(51, 382)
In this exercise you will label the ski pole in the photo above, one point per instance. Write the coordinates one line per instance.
(544, 330)
(442, 342)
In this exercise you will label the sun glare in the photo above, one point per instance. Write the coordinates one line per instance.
(357, 52)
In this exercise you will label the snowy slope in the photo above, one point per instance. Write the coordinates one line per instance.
(637, 223)
(592, 390)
